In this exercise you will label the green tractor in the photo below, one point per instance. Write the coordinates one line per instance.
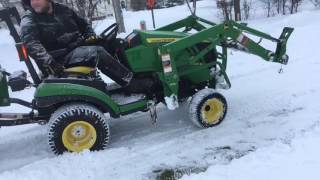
(185, 59)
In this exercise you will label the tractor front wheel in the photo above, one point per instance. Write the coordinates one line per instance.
(76, 127)
(207, 108)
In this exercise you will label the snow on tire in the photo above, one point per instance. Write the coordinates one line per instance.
(76, 127)
(207, 108)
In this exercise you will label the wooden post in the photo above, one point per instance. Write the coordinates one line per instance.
(118, 15)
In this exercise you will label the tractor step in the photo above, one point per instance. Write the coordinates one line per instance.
(113, 86)
(122, 99)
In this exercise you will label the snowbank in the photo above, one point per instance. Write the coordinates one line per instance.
(295, 159)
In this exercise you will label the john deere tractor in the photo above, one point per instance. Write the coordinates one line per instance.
(185, 59)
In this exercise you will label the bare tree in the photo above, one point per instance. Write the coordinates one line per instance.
(294, 6)
(280, 4)
(247, 5)
(269, 4)
(284, 6)
(226, 8)
(87, 8)
(316, 3)
(237, 10)
(229, 6)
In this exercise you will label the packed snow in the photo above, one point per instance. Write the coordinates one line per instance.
(271, 131)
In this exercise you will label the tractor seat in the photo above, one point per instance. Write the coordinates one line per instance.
(75, 71)
(80, 70)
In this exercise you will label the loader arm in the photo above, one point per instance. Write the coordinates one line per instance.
(229, 34)
(240, 41)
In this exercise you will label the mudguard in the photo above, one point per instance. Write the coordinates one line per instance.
(51, 94)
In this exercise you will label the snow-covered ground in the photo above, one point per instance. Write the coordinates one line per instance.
(271, 131)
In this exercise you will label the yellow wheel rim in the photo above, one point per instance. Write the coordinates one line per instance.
(78, 136)
(212, 111)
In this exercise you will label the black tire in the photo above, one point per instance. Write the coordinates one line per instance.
(198, 107)
(63, 120)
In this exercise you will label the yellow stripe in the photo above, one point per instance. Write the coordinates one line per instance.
(80, 69)
(161, 40)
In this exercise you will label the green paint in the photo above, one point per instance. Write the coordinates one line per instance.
(65, 89)
(135, 106)
(187, 60)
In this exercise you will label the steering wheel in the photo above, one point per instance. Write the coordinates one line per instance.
(110, 33)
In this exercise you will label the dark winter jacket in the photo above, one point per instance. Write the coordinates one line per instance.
(43, 33)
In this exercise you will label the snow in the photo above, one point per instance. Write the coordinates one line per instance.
(163, 17)
(295, 159)
(123, 99)
(172, 102)
(271, 130)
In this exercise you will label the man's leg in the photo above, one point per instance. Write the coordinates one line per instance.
(123, 76)
(113, 68)
(93, 56)
(97, 56)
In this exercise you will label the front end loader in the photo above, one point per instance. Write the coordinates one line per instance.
(185, 59)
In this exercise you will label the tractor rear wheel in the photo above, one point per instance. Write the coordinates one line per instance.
(76, 127)
(207, 108)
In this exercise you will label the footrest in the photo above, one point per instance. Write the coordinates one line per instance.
(122, 99)
(113, 86)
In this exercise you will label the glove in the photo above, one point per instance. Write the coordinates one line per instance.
(53, 67)
(93, 39)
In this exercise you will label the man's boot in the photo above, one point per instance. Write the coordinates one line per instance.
(113, 68)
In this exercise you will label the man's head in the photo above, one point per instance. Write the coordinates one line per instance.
(39, 6)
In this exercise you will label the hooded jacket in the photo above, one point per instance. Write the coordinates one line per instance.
(43, 33)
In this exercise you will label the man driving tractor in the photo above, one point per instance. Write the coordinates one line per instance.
(48, 27)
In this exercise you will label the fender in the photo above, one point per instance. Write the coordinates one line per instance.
(49, 94)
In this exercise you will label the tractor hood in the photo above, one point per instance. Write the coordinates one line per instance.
(153, 38)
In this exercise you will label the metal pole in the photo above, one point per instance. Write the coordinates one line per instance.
(154, 24)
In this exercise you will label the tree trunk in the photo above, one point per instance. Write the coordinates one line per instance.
(283, 7)
(278, 6)
(118, 15)
(268, 9)
(237, 10)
